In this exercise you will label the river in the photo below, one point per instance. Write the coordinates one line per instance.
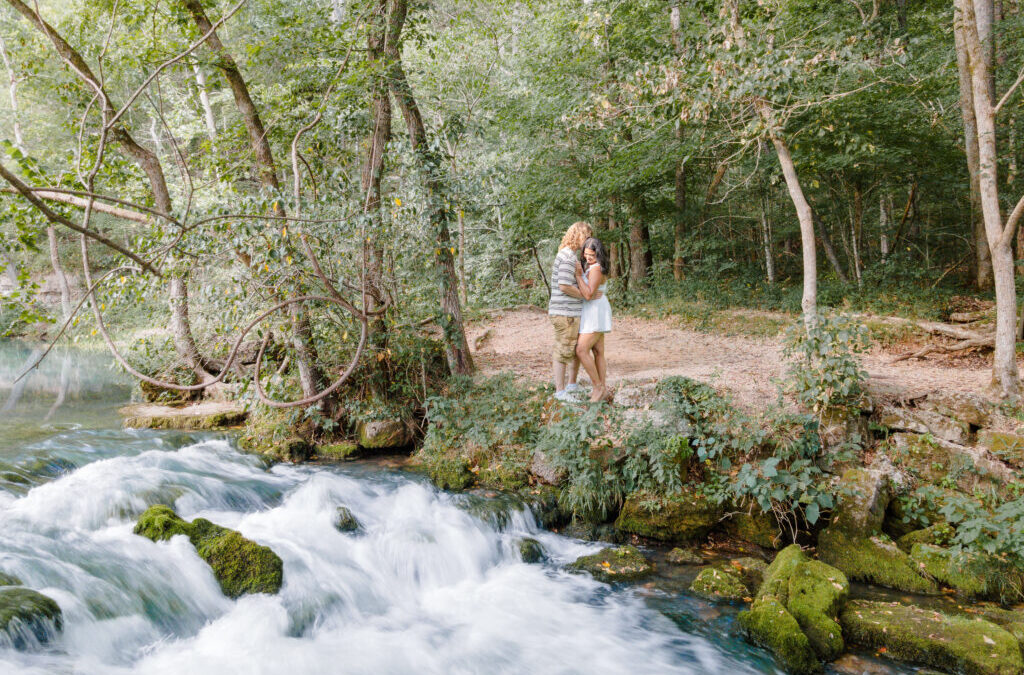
(426, 587)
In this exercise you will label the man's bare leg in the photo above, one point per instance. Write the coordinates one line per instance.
(558, 368)
(574, 369)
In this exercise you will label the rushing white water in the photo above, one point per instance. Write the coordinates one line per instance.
(424, 588)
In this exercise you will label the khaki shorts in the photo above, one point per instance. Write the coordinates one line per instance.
(567, 330)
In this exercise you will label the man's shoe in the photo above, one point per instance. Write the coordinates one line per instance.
(572, 386)
(564, 396)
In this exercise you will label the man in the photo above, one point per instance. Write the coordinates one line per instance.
(564, 309)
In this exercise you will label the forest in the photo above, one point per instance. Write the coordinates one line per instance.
(334, 223)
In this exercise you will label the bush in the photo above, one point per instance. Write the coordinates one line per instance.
(824, 373)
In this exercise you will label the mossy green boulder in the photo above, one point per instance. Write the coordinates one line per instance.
(769, 624)
(683, 517)
(28, 619)
(384, 434)
(625, 563)
(937, 534)
(684, 556)
(953, 644)
(450, 473)
(758, 528)
(817, 592)
(973, 574)
(874, 559)
(752, 570)
(719, 584)
(531, 551)
(9, 580)
(345, 520)
(240, 565)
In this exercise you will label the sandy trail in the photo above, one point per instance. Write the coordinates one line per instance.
(520, 340)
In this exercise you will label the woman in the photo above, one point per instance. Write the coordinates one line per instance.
(596, 317)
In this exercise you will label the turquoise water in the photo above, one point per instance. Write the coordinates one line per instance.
(426, 587)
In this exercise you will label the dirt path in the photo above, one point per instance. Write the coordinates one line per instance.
(520, 340)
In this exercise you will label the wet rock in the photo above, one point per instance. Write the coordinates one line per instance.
(450, 473)
(758, 528)
(337, 451)
(384, 434)
(719, 584)
(928, 638)
(684, 556)
(9, 580)
(817, 592)
(544, 471)
(973, 574)
(543, 503)
(863, 497)
(937, 461)
(345, 521)
(28, 619)
(588, 531)
(240, 565)
(752, 571)
(769, 622)
(874, 559)
(531, 551)
(925, 422)
(684, 517)
(152, 393)
(625, 563)
(961, 406)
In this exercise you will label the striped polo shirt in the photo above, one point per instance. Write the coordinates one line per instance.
(563, 272)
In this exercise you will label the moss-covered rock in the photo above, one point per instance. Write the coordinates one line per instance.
(974, 574)
(28, 619)
(940, 462)
(720, 584)
(966, 408)
(684, 517)
(758, 528)
(864, 495)
(159, 523)
(776, 577)
(1008, 447)
(205, 416)
(925, 422)
(950, 643)
(384, 434)
(752, 570)
(450, 473)
(873, 559)
(817, 592)
(625, 563)
(9, 580)
(337, 451)
(684, 556)
(937, 534)
(531, 551)
(240, 565)
(769, 624)
(345, 521)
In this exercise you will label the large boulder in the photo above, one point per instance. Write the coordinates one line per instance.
(973, 574)
(925, 422)
(817, 592)
(953, 644)
(28, 619)
(756, 527)
(936, 535)
(384, 434)
(1007, 446)
(938, 461)
(683, 517)
(963, 407)
(864, 495)
(614, 564)
(240, 565)
(544, 471)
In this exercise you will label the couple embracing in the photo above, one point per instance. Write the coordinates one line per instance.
(580, 313)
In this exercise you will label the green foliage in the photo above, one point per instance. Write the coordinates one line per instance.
(824, 373)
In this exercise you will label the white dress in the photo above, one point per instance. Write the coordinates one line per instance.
(596, 316)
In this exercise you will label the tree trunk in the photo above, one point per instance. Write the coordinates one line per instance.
(181, 327)
(204, 100)
(639, 250)
(1004, 366)
(613, 248)
(856, 226)
(883, 227)
(12, 88)
(830, 251)
(679, 230)
(58, 271)
(766, 239)
(982, 256)
(460, 361)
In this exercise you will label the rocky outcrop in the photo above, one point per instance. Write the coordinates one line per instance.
(345, 520)
(952, 644)
(28, 619)
(240, 565)
(756, 527)
(531, 551)
(614, 564)
(205, 416)
(972, 574)
(683, 517)
(937, 461)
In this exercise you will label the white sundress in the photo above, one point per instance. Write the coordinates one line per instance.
(596, 316)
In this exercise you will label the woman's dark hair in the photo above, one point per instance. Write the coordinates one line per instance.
(594, 244)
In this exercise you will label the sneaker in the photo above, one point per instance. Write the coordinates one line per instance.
(564, 396)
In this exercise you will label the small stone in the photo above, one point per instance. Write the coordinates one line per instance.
(531, 551)
(720, 584)
(544, 471)
(614, 564)
(344, 521)
(684, 556)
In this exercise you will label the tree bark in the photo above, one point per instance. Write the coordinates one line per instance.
(12, 89)
(830, 251)
(982, 256)
(460, 361)
(204, 101)
(58, 271)
(679, 229)
(1004, 366)
(766, 239)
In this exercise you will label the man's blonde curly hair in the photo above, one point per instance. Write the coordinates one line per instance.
(577, 233)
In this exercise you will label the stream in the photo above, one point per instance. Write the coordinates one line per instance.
(426, 587)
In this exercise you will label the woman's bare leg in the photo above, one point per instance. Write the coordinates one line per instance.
(583, 351)
(599, 360)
